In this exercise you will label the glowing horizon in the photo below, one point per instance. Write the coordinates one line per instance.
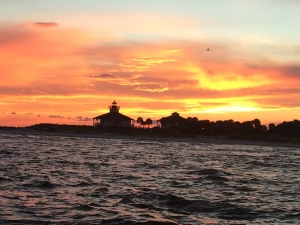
(67, 66)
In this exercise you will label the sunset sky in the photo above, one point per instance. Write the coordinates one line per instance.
(66, 61)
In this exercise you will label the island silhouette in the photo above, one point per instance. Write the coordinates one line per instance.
(287, 131)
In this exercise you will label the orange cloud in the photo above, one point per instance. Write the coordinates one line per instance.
(29, 56)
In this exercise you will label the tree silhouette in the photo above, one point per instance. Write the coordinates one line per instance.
(204, 127)
(191, 125)
(271, 126)
(256, 123)
(148, 122)
(288, 129)
(140, 121)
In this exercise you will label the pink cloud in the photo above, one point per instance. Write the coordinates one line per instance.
(46, 24)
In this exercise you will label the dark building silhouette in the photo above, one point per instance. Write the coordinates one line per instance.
(113, 118)
(173, 121)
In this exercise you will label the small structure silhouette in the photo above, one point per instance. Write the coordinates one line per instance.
(113, 118)
(173, 121)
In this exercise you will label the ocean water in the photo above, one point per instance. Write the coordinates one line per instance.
(73, 180)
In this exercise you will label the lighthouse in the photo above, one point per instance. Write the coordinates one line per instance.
(113, 118)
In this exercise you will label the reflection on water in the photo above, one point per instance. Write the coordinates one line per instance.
(68, 180)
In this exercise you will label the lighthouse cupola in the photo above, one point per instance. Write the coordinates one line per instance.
(114, 108)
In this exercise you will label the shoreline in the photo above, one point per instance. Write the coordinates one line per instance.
(197, 139)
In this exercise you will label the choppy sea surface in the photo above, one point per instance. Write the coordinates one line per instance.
(73, 180)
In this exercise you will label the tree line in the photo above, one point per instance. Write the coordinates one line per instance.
(147, 122)
(246, 128)
(232, 128)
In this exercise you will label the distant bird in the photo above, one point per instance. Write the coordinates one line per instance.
(207, 49)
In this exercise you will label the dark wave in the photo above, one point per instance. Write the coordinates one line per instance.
(46, 184)
(3, 179)
(122, 221)
(85, 207)
(82, 184)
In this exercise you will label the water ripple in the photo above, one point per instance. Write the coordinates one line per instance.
(67, 180)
